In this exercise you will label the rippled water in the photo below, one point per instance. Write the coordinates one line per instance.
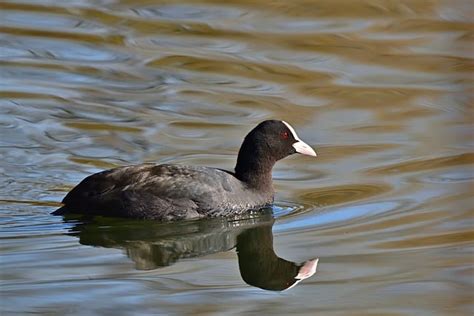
(382, 89)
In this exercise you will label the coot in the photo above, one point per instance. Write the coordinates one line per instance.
(173, 192)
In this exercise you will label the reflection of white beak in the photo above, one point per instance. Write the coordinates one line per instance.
(308, 269)
(302, 148)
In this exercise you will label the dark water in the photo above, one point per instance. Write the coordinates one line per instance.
(381, 89)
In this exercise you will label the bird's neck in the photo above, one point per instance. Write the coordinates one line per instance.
(254, 168)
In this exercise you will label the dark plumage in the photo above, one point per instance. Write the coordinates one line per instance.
(174, 192)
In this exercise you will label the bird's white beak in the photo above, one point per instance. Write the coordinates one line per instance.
(302, 148)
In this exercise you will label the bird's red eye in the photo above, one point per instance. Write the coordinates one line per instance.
(284, 135)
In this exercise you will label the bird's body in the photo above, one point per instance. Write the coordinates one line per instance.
(174, 192)
(164, 192)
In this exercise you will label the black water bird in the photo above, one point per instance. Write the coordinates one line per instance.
(170, 192)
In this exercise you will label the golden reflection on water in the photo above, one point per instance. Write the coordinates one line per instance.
(381, 89)
(427, 164)
(343, 193)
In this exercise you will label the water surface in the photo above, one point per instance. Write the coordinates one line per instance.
(382, 89)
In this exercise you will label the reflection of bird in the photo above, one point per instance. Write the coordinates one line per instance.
(261, 267)
(173, 192)
(152, 245)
